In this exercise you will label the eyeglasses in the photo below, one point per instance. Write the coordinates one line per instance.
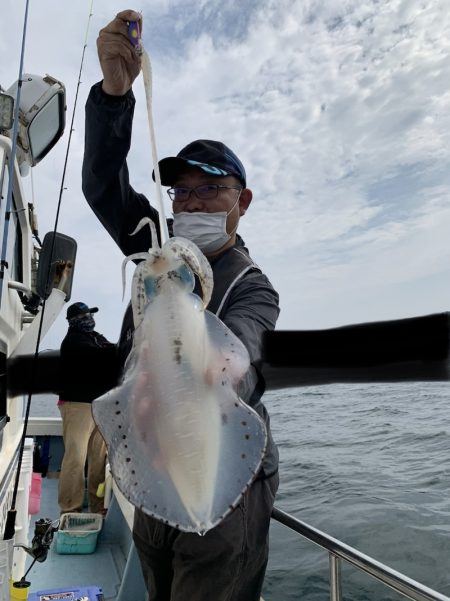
(204, 192)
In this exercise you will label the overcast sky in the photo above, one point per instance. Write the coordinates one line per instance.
(340, 111)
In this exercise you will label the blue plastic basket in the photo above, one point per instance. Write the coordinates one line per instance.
(93, 593)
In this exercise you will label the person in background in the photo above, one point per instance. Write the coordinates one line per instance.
(81, 349)
(208, 188)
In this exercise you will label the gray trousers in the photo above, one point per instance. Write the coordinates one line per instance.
(227, 564)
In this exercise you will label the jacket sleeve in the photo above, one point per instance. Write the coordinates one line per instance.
(105, 180)
(251, 310)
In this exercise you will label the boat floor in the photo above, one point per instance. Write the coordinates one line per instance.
(103, 568)
(119, 577)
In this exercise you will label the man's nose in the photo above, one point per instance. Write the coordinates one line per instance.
(194, 203)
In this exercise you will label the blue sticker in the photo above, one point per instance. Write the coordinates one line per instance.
(208, 168)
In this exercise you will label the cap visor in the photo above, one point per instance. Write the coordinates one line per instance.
(169, 169)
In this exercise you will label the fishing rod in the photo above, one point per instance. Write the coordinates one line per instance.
(11, 516)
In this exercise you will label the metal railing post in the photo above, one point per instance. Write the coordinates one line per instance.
(335, 578)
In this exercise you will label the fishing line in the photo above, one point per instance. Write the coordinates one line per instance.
(72, 122)
(11, 517)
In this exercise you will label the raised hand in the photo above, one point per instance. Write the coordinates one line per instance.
(119, 61)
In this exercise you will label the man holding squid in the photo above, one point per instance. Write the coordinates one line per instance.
(208, 188)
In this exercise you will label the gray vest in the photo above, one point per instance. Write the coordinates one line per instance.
(228, 270)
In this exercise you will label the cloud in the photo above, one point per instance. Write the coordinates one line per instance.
(339, 110)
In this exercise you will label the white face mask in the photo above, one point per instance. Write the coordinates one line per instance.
(207, 230)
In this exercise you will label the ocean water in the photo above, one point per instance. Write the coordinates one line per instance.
(367, 464)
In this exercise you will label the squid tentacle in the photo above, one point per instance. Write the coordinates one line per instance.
(147, 221)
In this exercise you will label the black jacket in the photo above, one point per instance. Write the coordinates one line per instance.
(243, 297)
(87, 357)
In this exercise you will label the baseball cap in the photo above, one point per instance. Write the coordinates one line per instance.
(78, 309)
(211, 156)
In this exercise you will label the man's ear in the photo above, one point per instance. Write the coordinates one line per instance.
(244, 201)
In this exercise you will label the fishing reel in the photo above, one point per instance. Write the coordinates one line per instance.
(44, 531)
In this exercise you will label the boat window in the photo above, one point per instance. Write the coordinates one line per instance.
(2, 394)
(4, 182)
(14, 247)
(16, 251)
(45, 127)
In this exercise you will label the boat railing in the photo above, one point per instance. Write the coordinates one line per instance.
(339, 551)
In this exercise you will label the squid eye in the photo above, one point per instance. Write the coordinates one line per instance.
(186, 276)
(150, 285)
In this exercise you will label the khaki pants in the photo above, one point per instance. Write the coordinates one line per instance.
(82, 440)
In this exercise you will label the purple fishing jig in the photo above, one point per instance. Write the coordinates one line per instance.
(134, 33)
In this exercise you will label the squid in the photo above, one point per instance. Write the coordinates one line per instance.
(182, 446)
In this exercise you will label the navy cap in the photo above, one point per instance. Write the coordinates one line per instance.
(212, 157)
(79, 309)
